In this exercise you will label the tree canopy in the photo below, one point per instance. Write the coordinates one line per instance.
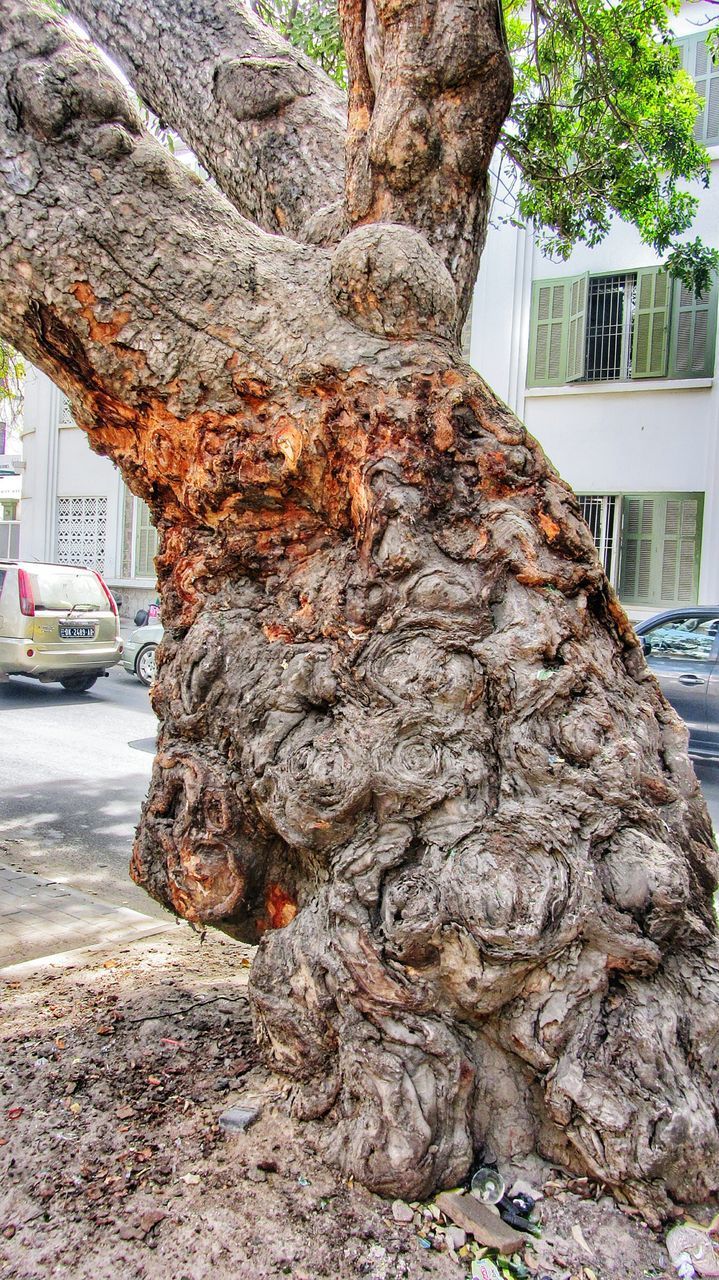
(602, 121)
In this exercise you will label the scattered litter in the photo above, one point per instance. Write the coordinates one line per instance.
(192, 1179)
(481, 1221)
(691, 1251)
(237, 1119)
(487, 1185)
(401, 1212)
(14, 1113)
(483, 1269)
(521, 1203)
(302, 1181)
(516, 1214)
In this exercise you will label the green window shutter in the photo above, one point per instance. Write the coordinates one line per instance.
(548, 333)
(145, 541)
(577, 328)
(661, 548)
(650, 334)
(693, 335)
(636, 548)
(697, 60)
(681, 550)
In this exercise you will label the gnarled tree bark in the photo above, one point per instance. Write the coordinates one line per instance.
(265, 122)
(408, 741)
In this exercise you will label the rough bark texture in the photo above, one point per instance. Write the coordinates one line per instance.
(264, 120)
(430, 86)
(408, 741)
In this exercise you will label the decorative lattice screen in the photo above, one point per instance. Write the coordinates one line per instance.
(66, 419)
(82, 531)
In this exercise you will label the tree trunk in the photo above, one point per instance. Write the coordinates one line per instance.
(408, 741)
(420, 760)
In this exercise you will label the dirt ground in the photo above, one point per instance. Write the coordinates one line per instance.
(113, 1075)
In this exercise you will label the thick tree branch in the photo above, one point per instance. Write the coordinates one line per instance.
(135, 285)
(430, 86)
(263, 119)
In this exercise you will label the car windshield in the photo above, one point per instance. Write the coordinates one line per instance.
(67, 589)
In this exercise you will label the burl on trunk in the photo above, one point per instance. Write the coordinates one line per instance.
(408, 741)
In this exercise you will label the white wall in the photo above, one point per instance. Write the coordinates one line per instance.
(59, 463)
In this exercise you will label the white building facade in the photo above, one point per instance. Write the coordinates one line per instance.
(75, 506)
(613, 367)
(611, 364)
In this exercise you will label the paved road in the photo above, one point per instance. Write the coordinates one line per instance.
(74, 772)
(75, 769)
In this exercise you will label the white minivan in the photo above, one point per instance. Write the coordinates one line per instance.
(57, 622)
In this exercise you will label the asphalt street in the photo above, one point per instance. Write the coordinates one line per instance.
(74, 772)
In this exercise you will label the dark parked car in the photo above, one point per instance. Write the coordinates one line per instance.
(682, 649)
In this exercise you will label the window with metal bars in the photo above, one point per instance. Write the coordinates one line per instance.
(601, 513)
(627, 325)
(649, 544)
(610, 312)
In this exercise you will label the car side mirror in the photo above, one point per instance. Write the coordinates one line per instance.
(646, 646)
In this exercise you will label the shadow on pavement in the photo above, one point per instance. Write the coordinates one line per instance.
(79, 833)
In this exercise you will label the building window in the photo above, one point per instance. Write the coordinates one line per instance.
(660, 548)
(704, 71)
(145, 542)
(649, 544)
(8, 508)
(636, 324)
(65, 419)
(9, 539)
(82, 532)
(601, 514)
(610, 308)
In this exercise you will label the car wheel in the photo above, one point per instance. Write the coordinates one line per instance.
(79, 683)
(145, 664)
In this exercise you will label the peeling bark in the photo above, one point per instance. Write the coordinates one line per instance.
(408, 741)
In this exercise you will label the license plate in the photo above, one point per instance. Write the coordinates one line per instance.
(77, 633)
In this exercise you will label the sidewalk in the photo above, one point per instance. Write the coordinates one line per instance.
(44, 917)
